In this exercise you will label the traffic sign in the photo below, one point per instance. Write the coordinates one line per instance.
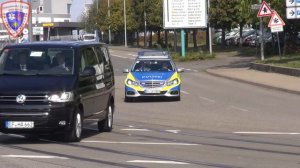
(292, 3)
(264, 10)
(275, 29)
(276, 20)
(293, 12)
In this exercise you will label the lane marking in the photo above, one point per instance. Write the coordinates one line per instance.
(195, 70)
(119, 56)
(134, 129)
(239, 108)
(33, 157)
(188, 69)
(269, 133)
(207, 99)
(173, 131)
(142, 143)
(184, 92)
(130, 126)
(157, 162)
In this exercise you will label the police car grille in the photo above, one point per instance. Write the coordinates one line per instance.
(152, 84)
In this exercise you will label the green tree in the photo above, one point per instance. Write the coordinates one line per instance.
(223, 15)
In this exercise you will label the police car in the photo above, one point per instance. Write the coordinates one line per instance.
(153, 74)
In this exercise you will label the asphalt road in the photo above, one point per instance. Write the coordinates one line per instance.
(218, 123)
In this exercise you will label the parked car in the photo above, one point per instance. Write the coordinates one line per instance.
(153, 74)
(50, 87)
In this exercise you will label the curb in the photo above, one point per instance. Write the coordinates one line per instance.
(275, 69)
(253, 83)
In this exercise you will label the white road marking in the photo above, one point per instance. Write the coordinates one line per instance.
(195, 70)
(134, 129)
(142, 143)
(207, 99)
(239, 108)
(188, 69)
(130, 126)
(184, 92)
(119, 56)
(157, 162)
(269, 133)
(173, 131)
(33, 157)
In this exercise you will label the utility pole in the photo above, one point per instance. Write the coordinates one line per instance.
(125, 26)
(209, 30)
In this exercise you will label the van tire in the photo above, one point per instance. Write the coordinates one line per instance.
(106, 125)
(74, 134)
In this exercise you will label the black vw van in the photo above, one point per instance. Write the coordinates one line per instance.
(49, 87)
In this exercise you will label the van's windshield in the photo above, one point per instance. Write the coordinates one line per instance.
(28, 61)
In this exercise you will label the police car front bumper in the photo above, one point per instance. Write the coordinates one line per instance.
(152, 92)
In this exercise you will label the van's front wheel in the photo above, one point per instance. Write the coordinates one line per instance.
(107, 124)
(74, 134)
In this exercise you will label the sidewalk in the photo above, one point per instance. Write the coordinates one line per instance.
(270, 80)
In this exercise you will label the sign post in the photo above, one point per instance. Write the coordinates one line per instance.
(276, 24)
(264, 11)
(184, 14)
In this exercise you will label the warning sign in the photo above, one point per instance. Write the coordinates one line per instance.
(276, 20)
(264, 10)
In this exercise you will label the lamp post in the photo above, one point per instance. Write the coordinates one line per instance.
(109, 32)
(145, 31)
(30, 22)
(125, 26)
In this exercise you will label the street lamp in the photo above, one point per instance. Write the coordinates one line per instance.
(109, 32)
(125, 27)
(145, 25)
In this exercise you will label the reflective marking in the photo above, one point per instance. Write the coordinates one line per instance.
(33, 157)
(173, 131)
(157, 162)
(207, 99)
(184, 92)
(134, 129)
(268, 133)
(238, 108)
(119, 56)
(142, 143)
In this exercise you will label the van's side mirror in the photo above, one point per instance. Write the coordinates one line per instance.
(180, 70)
(88, 71)
(126, 71)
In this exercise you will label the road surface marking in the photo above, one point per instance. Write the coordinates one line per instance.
(173, 131)
(119, 56)
(184, 92)
(188, 69)
(157, 162)
(238, 108)
(130, 126)
(142, 143)
(134, 129)
(269, 133)
(195, 70)
(207, 99)
(33, 157)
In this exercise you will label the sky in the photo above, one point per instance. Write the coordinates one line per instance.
(76, 9)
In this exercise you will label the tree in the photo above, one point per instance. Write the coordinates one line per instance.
(223, 14)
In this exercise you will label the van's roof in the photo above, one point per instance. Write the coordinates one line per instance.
(55, 43)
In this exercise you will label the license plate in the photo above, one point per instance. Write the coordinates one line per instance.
(152, 91)
(19, 124)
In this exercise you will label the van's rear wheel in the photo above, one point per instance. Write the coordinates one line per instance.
(74, 134)
(107, 124)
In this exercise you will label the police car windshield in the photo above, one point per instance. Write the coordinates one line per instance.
(37, 61)
(153, 65)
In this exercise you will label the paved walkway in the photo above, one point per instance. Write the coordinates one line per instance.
(270, 80)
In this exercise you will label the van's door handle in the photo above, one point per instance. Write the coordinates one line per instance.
(106, 66)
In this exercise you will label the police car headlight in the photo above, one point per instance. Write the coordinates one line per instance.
(131, 82)
(62, 97)
(172, 82)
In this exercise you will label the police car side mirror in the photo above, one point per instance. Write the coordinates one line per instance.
(180, 70)
(126, 71)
